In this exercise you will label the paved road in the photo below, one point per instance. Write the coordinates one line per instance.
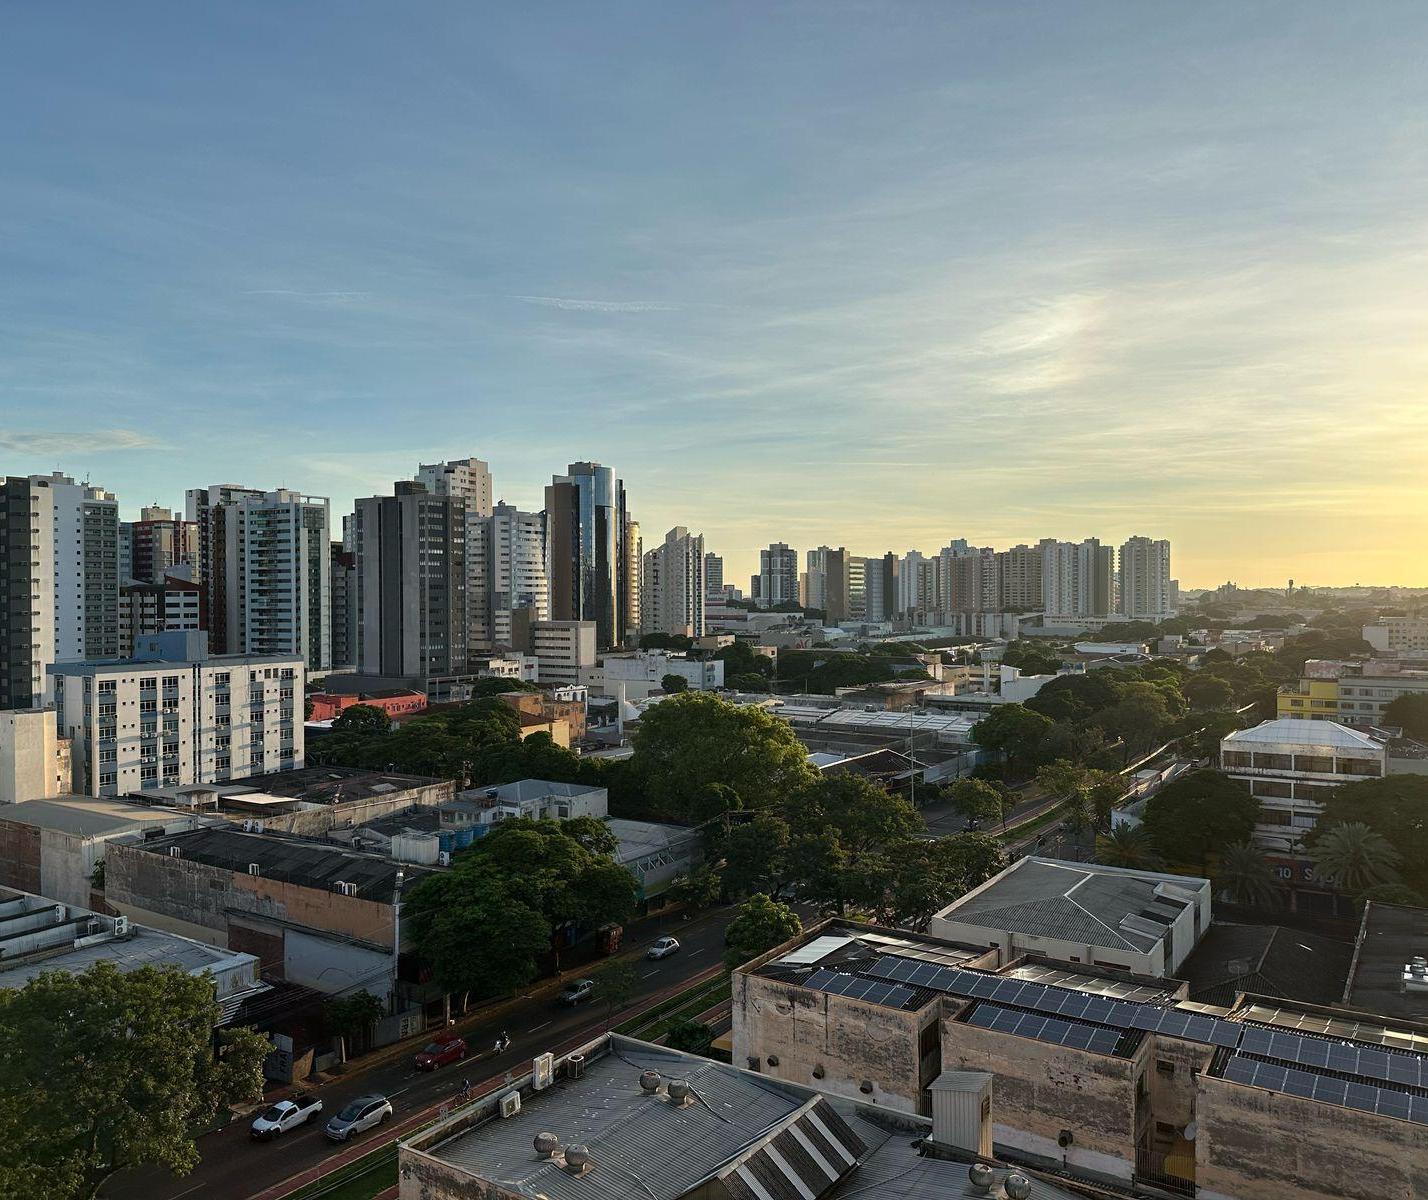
(943, 818)
(234, 1168)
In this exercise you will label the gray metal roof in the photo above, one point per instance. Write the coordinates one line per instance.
(1074, 902)
(86, 816)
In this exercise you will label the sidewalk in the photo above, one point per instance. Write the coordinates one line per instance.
(393, 1133)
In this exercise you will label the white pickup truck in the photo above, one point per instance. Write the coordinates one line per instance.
(285, 1115)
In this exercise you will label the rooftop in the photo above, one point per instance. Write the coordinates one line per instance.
(1300, 732)
(759, 1138)
(290, 860)
(1390, 937)
(1267, 960)
(84, 816)
(1080, 902)
(312, 785)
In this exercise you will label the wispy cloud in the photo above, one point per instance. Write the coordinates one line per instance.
(76, 441)
(301, 295)
(567, 304)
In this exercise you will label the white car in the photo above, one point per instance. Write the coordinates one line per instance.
(662, 947)
(283, 1116)
(360, 1115)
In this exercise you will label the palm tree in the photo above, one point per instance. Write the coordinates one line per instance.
(1244, 876)
(1127, 846)
(1354, 858)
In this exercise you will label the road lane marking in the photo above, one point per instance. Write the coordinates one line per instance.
(538, 1028)
(692, 953)
(647, 974)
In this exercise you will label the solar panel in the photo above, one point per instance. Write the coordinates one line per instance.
(1045, 1029)
(1327, 1089)
(1343, 1057)
(855, 987)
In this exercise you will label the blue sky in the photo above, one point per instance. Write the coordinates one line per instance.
(868, 274)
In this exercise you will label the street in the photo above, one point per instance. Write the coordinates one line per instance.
(234, 1167)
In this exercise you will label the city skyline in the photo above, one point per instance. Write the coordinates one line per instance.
(1074, 275)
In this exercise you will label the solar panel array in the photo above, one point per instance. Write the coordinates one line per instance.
(1408, 1070)
(1045, 1029)
(1193, 1027)
(1346, 1093)
(855, 987)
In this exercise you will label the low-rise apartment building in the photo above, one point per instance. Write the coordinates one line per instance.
(170, 715)
(1350, 693)
(640, 675)
(1398, 637)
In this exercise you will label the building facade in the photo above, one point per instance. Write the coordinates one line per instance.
(27, 581)
(149, 608)
(1145, 593)
(588, 555)
(713, 575)
(34, 759)
(342, 573)
(155, 544)
(1078, 579)
(673, 586)
(84, 524)
(172, 715)
(412, 614)
(778, 576)
(510, 573)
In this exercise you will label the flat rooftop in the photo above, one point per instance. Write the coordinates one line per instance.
(1390, 936)
(290, 860)
(1268, 960)
(85, 816)
(1080, 902)
(312, 785)
(763, 1139)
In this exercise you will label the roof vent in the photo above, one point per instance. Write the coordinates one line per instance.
(577, 1159)
(345, 888)
(546, 1144)
(175, 852)
(680, 1092)
(254, 869)
(1017, 1186)
(649, 1082)
(980, 1175)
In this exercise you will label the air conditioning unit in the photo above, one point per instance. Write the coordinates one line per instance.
(175, 852)
(121, 926)
(443, 858)
(542, 1071)
(344, 888)
(255, 869)
(510, 1104)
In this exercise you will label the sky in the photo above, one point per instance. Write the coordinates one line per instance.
(865, 274)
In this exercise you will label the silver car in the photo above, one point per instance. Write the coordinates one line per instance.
(358, 1116)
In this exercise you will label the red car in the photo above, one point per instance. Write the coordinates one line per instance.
(446, 1049)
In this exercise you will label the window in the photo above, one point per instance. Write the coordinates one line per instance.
(1163, 1066)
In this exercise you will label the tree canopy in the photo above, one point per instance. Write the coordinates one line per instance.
(1014, 731)
(1194, 818)
(1395, 807)
(673, 684)
(444, 745)
(688, 742)
(1410, 713)
(762, 923)
(362, 719)
(106, 1071)
(485, 924)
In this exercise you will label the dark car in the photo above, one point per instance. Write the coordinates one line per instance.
(442, 1052)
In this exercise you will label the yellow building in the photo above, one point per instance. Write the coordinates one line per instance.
(1310, 699)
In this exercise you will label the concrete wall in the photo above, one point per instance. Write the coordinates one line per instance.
(1041, 1089)
(30, 758)
(851, 1042)
(318, 820)
(327, 965)
(20, 857)
(1014, 945)
(1255, 1144)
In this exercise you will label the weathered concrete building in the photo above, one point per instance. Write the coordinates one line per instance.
(313, 912)
(1114, 1076)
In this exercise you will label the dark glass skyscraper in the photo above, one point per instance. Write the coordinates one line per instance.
(586, 552)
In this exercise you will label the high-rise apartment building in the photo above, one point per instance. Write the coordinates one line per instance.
(342, 573)
(411, 583)
(827, 588)
(510, 573)
(155, 544)
(172, 715)
(84, 524)
(713, 575)
(1145, 579)
(146, 609)
(631, 593)
(778, 576)
(673, 586)
(1019, 572)
(917, 584)
(968, 579)
(1078, 579)
(588, 555)
(218, 554)
(858, 570)
(466, 479)
(27, 580)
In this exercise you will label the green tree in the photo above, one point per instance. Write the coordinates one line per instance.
(978, 800)
(747, 681)
(762, 924)
(1193, 819)
(689, 741)
(1127, 846)
(616, 983)
(1396, 807)
(364, 719)
(673, 684)
(697, 890)
(1208, 693)
(1243, 874)
(351, 1017)
(665, 641)
(483, 689)
(924, 875)
(1354, 858)
(1013, 731)
(1031, 658)
(106, 1071)
(1140, 719)
(1410, 713)
(693, 1037)
(756, 856)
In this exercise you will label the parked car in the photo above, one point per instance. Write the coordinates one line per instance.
(359, 1115)
(577, 991)
(662, 947)
(283, 1116)
(445, 1050)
